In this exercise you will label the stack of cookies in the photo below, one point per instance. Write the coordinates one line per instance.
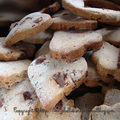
(49, 54)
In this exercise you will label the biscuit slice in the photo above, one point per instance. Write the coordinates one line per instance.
(15, 101)
(94, 79)
(13, 71)
(63, 110)
(111, 34)
(105, 112)
(68, 45)
(87, 102)
(64, 20)
(112, 97)
(43, 50)
(106, 60)
(30, 25)
(53, 79)
(103, 15)
(16, 52)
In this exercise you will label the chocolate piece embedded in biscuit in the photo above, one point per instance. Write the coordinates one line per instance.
(118, 64)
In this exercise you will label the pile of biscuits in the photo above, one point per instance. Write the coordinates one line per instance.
(68, 46)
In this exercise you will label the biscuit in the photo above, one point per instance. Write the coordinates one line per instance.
(64, 20)
(43, 50)
(112, 97)
(20, 97)
(105, 112)
(39, 38)
(18, 51)
(53, 79)
(111, 34)
(30, 25)
(106, 60)
(87, 102)
(51, 8)
(103, 15)
(68, 45)
(94, 79)
(63, 110)
(13, 71)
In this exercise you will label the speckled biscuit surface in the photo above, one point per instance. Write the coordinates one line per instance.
(18, 51)
(68, 45)
(13, 71)
(106, 60)
(64, 20)
(103, 15)
(30, 25)
(20, 97)
(54, 79)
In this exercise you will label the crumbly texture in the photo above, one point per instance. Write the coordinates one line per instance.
(68, 45)
(20, 97)
(64, 110)
(94, 79)
(87, 102)
(105, 112)
(64, 20)
(106, 60)
(30, 25)
(103, 15)
(43, 50)
(112, 97)
(111, 34)
(18, 51)
(13, 71)
(54, 79)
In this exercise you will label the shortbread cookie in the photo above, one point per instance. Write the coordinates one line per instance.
(16, 52)
(30, 25)
(18, 102)
(13, 71)
(94, 79)
(112, 97)
(106, 60)
(105, 112)
(54, 79)
(51, 8)
(87, 102)
(43, 50)
(64, 20)
(103, 15)
(68, 45)
(39, 38)
(111, 34)
(63, 110)
(102, 4)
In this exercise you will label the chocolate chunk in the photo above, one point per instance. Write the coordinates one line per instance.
(63, 57)
(58, 106)
(7, 83)
(110, 76)
(38, 20)
(23, 56)
(60, 79)
(1, 102)
(104, 83)
(118, 64)
(72, 28)
(89, 48)
(25, 20)
(27, 95)
(39, 61)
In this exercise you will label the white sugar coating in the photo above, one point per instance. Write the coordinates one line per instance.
(67, 41)
(106, 60)
(13, 97)
(41, 77)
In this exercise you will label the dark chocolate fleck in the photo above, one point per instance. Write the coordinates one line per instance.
(23, 56)
(89, 48)
(25, 20)
(7, 83)
(60, 79)
(72, 28)
(58, 106)
(33, 25)
(63, 57)
(86, 73)
(1, 102)
(27, 95)
(38, 20)
(118, 64)
(40, 60)
(104, 83)
(110, 76)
